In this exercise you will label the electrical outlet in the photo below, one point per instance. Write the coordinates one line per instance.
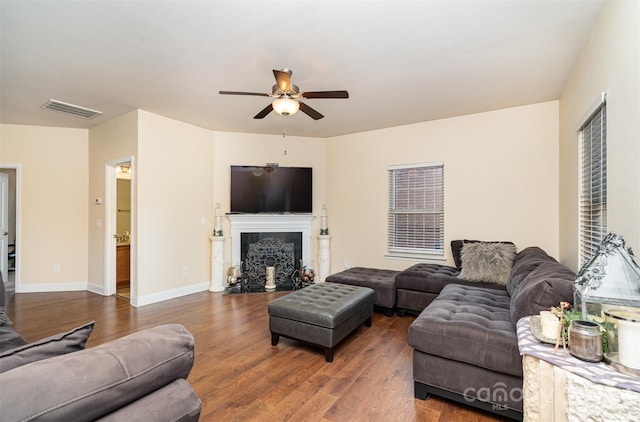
(56, 268)
(185, 271)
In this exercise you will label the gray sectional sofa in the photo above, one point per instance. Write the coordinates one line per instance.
(464, 336)
(138, 377)
(464, 340)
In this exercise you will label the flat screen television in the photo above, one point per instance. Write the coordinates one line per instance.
(266, 189)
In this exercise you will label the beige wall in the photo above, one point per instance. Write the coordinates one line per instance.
(610, 63)
(501, 177)
(114, 140)
(252, 149)
(53, 204)
(174, 188)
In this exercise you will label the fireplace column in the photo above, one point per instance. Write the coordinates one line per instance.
(324, 257)
(217, 264)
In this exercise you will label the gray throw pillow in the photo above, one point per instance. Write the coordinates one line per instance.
(487, 261)
(59, 344)
(4, 319)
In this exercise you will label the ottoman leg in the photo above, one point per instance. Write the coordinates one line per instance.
(368, 322)
(274, 338)
(328, 354)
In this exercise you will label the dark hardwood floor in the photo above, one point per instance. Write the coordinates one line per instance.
(239, 376)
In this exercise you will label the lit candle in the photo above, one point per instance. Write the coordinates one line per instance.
(550, 324)
(217, 222)
(629, 339)
(324, 228)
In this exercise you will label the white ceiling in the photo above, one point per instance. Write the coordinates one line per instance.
(402, 62)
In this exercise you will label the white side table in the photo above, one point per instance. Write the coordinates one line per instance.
(558, 388)
(217, 264)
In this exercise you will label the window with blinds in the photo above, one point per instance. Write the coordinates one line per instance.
(593, 183)
(416, 211)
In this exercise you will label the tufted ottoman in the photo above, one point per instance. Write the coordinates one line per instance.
(383, 282)
(322, 314)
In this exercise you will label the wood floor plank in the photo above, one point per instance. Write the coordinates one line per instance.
(239, 376)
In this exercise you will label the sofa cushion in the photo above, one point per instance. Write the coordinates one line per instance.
(59, 344)
(485, 261)
(526, 261)
(432, 278)
(471, 325)
(174, 402)
(91, 383)
(383, 282)
(547, 285)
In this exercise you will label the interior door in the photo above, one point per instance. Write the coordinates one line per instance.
(4, 225)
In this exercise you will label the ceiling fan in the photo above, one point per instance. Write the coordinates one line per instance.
(287, 96)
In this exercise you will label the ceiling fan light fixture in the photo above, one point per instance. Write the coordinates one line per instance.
(285, 106)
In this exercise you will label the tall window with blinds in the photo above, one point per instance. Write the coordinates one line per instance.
(416, 211)
(593, 183)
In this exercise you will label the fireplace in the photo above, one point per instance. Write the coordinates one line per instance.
(281, 250)
(278, 240)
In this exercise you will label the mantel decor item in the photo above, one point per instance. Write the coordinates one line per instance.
(217, 221)
(607, 291)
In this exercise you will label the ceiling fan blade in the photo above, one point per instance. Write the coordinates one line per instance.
(283, 79)
(326, 94)
(242, 93)
(264, 112)
(309, 111)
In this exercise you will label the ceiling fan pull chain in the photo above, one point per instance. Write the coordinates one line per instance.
(284, 132)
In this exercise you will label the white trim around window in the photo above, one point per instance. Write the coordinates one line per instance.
(415, 223)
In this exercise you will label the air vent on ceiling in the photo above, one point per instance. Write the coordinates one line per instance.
(85, 113)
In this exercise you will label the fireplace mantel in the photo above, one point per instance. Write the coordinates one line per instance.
(261, 223)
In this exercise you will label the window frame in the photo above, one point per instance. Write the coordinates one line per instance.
(435, 192)
(592, 181)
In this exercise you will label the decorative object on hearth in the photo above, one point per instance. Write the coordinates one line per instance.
(307, 274)
(607, 291)
(217, 221)
(270, 277)
(324, 227)
(287, 96)
(234, 274)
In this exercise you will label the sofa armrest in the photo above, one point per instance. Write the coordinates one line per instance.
(91, 383)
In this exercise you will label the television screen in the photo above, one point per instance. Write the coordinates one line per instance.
(271, 189)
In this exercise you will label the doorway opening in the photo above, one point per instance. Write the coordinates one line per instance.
(119, 239)
(123, 230)
(10, 227)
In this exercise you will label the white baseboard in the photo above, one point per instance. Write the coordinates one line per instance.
(96, 288)
(50, 287)
(169, 294)
(135, 301)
